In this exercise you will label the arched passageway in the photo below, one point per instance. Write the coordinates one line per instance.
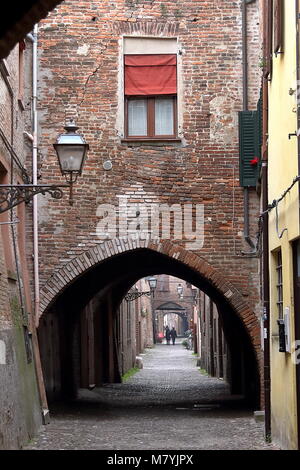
(96, 292)
(168, 309)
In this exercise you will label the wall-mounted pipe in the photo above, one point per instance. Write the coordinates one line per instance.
(34, 177)
(43, 398)
(296, 319)
(34, 138)
(247, 237)
(265, 266)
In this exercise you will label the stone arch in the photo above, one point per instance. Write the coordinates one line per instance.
(169, 306)
(65, 275)
(173, 307)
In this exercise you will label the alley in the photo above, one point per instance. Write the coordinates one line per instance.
(169, 404)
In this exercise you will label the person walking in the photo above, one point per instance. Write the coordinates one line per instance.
(173, 334)
(168, 334)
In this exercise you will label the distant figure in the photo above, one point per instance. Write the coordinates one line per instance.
(168, 334)
(173, 334)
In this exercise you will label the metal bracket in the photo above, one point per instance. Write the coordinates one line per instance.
(130, 296)
(12, 195)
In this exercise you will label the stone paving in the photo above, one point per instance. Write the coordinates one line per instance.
(167, 405)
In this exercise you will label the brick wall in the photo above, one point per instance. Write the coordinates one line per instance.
(79, 77)
(20, 413)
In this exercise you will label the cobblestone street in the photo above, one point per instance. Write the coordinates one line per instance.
(168, 405)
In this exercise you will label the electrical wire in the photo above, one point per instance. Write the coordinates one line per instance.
(274, 205)
(276, 201)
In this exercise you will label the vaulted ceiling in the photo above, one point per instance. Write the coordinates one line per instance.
(18, 19)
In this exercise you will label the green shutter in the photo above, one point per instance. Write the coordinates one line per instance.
(250, 138)
(260, 121)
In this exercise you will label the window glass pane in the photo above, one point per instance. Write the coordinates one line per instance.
(164, 116)
(137, 117)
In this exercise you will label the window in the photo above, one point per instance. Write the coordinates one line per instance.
(279, 284)
(150, 96)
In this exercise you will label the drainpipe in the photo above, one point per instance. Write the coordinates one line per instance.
(41, 385)
(298, 120)
(34, 177)
(245, 108)
(265, 262)
(265, 246)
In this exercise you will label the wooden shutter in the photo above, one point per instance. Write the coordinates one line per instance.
(278, 26)
(249, 136)
(259, 122)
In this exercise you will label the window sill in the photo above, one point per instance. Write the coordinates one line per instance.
(151, 141)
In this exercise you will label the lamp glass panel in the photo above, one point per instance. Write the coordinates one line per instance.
(179, 289)
(152, 282)
(70, 157)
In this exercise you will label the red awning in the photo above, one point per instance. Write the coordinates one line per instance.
(150, 74)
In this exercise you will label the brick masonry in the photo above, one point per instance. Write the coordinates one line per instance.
(20, 414)
(79, 77)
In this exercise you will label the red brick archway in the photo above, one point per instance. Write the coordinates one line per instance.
(65, 275)
(109, 269)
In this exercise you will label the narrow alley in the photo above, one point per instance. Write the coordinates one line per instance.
(169, 404)
(150, 226)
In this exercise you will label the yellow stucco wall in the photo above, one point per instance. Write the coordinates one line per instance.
(283, 168)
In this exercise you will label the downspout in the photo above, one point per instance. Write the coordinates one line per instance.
(296, 325)
(245, 108)
(265, 265)
(43, 398)
(244, 55)
(35, 179)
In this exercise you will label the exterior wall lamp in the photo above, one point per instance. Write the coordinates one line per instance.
(180, 291)
(71, 150)
(193, 296)
(130, 296)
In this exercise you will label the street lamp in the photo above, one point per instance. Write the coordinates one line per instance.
(152, 281)
(180, 291)
(193, 296)
(71, 150)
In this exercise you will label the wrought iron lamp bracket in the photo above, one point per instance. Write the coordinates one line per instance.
(130, 296)
(12, 195)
